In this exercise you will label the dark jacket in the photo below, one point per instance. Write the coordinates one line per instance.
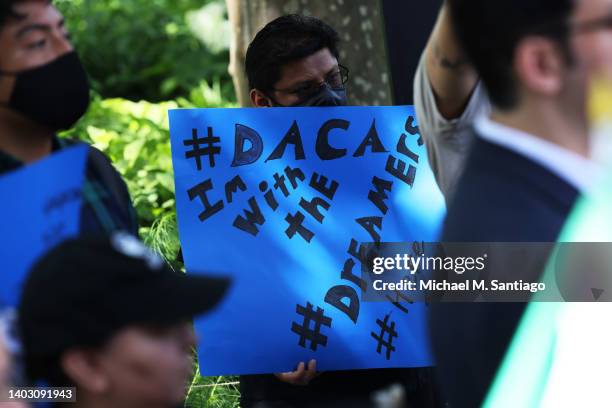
(500, 197)
(107, 206)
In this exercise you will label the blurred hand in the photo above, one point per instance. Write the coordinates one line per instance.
(302, 376)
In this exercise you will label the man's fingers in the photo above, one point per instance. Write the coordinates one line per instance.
(311, 372)
(302, 375)
(298, 371)
(293, 377)
(312, 365)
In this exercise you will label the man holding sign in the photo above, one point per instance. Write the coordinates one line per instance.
(292, 62)
(44, 89)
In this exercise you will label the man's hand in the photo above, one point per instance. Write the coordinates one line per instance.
(301, 376)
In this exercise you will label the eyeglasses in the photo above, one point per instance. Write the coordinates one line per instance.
(334, 80)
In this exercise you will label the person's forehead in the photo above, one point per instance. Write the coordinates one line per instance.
(126, 339)
(33, 12)
(312, 67)
(136, 336)
(591, 9)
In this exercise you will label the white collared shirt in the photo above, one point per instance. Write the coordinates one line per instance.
(569, 166)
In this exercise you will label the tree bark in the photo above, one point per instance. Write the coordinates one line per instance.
(360, 24)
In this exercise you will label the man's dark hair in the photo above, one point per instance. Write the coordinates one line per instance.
(286, 39)
(7, 10)
(490, 30)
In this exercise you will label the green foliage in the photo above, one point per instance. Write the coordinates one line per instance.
(135, 136)
(213, 392)
(144, 49)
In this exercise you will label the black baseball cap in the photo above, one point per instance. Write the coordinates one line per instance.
(86, 290)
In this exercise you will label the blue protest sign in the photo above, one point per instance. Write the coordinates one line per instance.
(40, 207)
(281, 199)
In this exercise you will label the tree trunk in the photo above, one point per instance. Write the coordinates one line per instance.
(360, 24)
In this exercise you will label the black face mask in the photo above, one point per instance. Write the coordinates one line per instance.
(54, 95)
(326, 96)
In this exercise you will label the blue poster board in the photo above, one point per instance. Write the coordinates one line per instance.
(40, 207)
(281, 199)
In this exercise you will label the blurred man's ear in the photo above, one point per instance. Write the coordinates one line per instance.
(540, 66)
(259, 99)
(84, 369)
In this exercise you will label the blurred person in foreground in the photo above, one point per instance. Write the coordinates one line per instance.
(293, 62)
(552, 331)
(108, 317)
(529, 160)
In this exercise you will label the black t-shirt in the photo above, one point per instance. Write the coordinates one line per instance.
(354, 385)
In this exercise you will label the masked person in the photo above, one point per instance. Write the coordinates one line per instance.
(44, 89)
(107, 316)
(291, 62)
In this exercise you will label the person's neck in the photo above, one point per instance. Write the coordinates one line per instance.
(23, 139)
(548, 122)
